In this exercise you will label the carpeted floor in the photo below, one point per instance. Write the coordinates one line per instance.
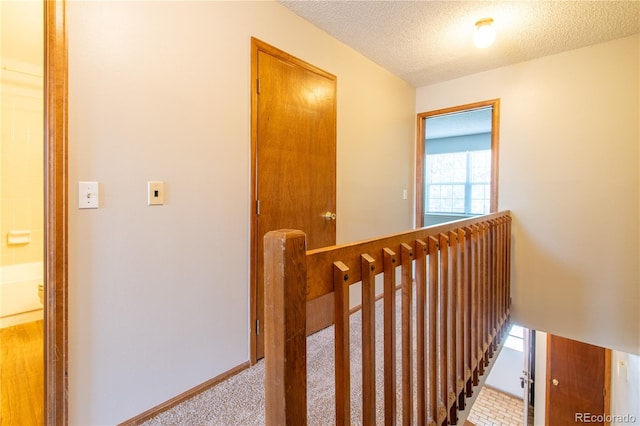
(240, 399)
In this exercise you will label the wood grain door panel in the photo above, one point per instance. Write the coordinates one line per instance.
(576, 384)
(296, 151)
(295, 156)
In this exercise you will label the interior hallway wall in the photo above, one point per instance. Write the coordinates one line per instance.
(569, 172)
(625, 389)
(540, 401)
(159, 296)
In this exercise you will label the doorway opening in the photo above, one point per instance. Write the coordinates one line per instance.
(55, 262)
(457, 163)
(22, 212)
(507, 395)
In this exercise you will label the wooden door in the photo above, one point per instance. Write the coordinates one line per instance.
(577, 382)
(295, 156)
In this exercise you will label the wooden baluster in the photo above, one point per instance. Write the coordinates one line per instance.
(505, 265)
(342, 347)
(496, 283)
(368, 265)
(421, 281)
(481, 277)
(433, 403)
(285, 278)
(505, 293)
(499, 272)
(390, 263)
(488, 290)
(452, 332)
(406, 258)
(499, 298)
(508, 284)
(468, 341)
(484, 270)
(493, 287)
(460, 321)
(475, 324)
(443, 303)
(501, 281)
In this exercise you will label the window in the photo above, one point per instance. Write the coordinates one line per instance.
(515, 339)
(458, 182)
(457, 162)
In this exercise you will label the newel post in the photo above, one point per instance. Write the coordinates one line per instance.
(285, 291)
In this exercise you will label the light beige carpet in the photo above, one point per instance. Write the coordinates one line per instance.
(240, 399)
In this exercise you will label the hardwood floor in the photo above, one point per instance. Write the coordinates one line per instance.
(22, 374)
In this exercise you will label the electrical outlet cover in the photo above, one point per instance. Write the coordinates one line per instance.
(155, 193)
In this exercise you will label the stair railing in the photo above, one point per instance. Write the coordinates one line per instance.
(460, 275)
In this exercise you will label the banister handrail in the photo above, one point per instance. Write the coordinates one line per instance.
(320, 261)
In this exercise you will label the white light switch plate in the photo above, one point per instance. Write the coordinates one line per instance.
(88, 195)
(155, 193)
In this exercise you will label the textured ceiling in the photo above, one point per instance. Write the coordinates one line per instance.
(425, 42)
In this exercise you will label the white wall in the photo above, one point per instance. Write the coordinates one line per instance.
(540, 396)
(159, 296)
(569, 163)
(625, 389)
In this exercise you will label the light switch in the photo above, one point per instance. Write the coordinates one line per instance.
(622, 370)
(155, 193)
(88, 195)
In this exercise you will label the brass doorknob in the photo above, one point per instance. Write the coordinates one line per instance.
(329, 216)
(555, 382)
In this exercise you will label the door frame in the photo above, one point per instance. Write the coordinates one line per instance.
(421, 146)
(528, 370)
(55, 213)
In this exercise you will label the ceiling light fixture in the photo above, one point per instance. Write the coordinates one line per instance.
(485, 34)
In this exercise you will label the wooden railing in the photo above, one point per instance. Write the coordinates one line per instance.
(462, 303)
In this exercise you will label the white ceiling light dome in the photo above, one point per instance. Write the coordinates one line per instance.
(485, 34)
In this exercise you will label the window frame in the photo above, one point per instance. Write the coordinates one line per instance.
(421, 153)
